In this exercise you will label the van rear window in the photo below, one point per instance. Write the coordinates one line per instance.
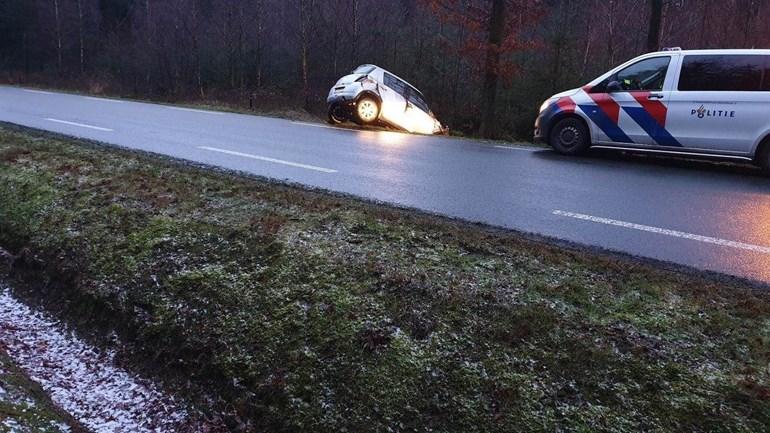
(748, 73)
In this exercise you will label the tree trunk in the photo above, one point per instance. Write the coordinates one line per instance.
(653, 32)
(148, 36)
(80, 37)
(241, 57)
(491, 72)
(25, 43)
(58, 35)
(305, 7)
(259, 20)
(703, 25)
(748, 30)
(335, 39)
(611, 33)
(456, 78)
(354, 41)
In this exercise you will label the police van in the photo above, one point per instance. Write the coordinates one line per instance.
(700, 103)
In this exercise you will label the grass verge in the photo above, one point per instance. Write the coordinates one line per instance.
(285, 310)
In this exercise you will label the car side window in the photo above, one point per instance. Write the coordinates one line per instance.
(722, 73)
(395, 84)
(417, 99)
(645, 75)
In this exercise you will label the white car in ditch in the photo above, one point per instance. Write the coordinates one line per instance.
(371, 95)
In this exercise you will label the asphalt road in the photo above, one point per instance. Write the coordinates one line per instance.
(709, 216)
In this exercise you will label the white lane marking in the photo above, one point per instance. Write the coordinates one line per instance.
(82, 125)
(266, 159)
(667, 232)
(524, 148)
(37, 91)
(114, 101)
(216, 113)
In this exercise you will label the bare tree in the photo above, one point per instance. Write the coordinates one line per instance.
(57, 18)
(653, 32)
(491, 69)
(259, 24)
(305, 13)
(81, 43)
(354, 38)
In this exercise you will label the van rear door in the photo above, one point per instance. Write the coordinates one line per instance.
(720, 102)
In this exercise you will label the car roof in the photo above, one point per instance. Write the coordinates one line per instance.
(391, 73)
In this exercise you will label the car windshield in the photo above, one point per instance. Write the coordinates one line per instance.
(363, 69)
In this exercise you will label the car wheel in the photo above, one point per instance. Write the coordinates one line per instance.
(569, 136)
(367, 110)
(763, 157)
(336, 114)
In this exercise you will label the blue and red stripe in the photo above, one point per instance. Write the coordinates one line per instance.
(652, 127)
(650, 116)
(607, 124)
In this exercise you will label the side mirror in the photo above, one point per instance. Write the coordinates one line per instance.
(409, 106)
(614, 86)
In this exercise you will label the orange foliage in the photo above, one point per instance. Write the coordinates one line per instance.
(471, 17)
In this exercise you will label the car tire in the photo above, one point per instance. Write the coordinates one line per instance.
(367, 110)
(569, 136)
(336, 115)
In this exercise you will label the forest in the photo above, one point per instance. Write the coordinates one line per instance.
(484, 65)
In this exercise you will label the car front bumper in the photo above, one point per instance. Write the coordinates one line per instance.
(346, 95)
(340, 99)
(539, 135)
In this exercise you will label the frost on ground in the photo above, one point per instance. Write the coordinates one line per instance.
(80, 379)
(23, 407)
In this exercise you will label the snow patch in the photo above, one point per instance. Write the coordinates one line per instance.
(81, 379)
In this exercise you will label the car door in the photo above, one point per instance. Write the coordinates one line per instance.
(719, 104)
(629, 106)
(394, 104)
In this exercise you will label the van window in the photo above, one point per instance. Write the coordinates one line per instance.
(644, 75)
(395, 84)
(717, 73)
(766, 75)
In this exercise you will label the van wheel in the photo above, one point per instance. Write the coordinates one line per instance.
(763, 156)
(569, 136)
(367, 110)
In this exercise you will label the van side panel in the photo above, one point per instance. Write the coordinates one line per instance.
(718, 121)
(719, 104)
